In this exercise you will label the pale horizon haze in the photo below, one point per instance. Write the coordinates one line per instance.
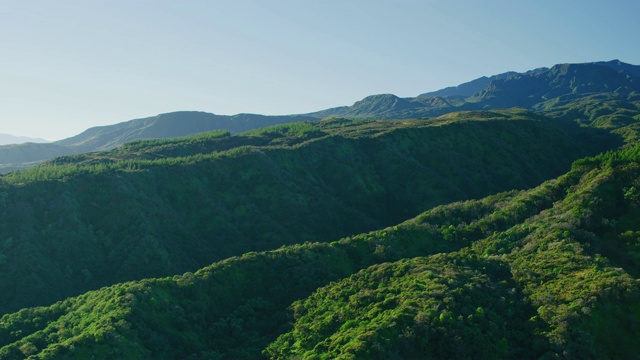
(69, 65)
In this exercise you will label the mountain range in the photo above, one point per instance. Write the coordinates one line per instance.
(183, 123)
(531, 90)
(501, 223)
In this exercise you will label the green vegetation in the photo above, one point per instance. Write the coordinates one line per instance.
(163, 126)
(540, 90)
(521, 274)
(548, 286)
(545, 273)
(249, 294)
(157, 208)
(614, 112)
(445, 306)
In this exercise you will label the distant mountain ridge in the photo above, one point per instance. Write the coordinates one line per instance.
(526, 90)
(534, 90)
(468, 88)
(175, 124)
(169, 125)
(565, 80)
(621, 67)
(8, 139)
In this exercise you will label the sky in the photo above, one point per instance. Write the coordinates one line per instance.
(68, 65)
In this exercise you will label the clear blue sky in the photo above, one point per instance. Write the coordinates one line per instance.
(68, 65)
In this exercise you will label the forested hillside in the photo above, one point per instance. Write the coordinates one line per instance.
(484, 234)
(157, 208)
(542, 273)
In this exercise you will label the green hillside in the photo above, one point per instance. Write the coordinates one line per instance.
(479, 234)
(542, 273)
(157, 208)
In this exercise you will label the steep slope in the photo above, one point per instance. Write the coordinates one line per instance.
(469, 88)
(544, 273)
(453, 306)
(567, 80)
(621, 67)
(245, 298)
(568, 277)
(156, 208)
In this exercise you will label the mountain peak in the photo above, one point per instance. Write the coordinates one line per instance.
(621, 67)
(376, 105)
(380, 97)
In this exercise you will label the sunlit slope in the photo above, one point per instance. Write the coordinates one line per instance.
(542, 273)
(158, 208)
